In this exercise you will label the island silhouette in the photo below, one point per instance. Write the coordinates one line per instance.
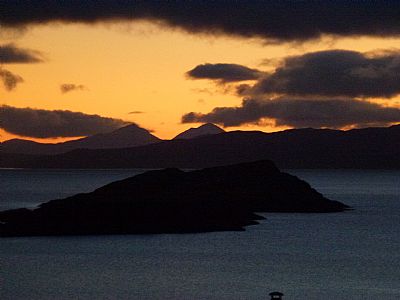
(173, 201)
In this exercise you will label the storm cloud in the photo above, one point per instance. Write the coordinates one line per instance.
(69, 87)
(223, 72)
(278, 20)
(11, 54)
(40, 123)
(10, 80)
(334, 73)
(335, 113)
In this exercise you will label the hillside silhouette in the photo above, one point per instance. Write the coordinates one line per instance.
(173, 201)
(127, 136)
(369, 148)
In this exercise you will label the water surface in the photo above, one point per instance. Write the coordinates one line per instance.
(351, 255)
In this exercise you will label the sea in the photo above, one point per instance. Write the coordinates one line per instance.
(348, 255)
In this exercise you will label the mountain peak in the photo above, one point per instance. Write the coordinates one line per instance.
(128, 136)
(210, 126)
(205, 129)
(129, 126)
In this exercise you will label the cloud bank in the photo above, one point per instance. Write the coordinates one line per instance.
(69, 87)
(10, 80)
(40, 123)
(333, 73)
(11, 54)
(334, 113)
(269, 19)
(317, 89)
(223, 72)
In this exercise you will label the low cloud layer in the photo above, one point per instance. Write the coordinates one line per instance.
(9, 79)
(40, 123)
(223, 72)
(336, 113)
(333, 73)
(69, 87)
(278, 20)
(11, 54)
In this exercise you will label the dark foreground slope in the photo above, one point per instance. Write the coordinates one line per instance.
(173, 201)
(370, 148)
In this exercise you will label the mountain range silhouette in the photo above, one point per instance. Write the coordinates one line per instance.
(368, 148)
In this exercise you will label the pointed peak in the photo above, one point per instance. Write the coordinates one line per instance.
(211, 126)
(205, 129)
(129, 126)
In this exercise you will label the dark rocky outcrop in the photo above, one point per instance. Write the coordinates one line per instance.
(173, 201)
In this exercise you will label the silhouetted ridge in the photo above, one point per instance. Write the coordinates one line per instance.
(369, 148)
(127, 136)
(173, 201)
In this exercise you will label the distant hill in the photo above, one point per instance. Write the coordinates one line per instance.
(205, 129)
(128, 136)
(369, 148)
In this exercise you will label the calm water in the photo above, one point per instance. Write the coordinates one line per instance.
(352, 255)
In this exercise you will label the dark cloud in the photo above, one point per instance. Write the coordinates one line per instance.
(203, 90)
(336, 113)
(271, 19)
(69, 87)
(333, 73)
(135, 112)
(11, 54)
(42, 123)
(223, 72)
(9, 79)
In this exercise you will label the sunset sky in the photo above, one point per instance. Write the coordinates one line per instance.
(167, 68)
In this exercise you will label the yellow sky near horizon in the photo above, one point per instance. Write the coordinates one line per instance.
(130, 67)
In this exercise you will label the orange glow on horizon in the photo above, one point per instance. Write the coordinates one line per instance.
(4, 136)
(140, 67)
